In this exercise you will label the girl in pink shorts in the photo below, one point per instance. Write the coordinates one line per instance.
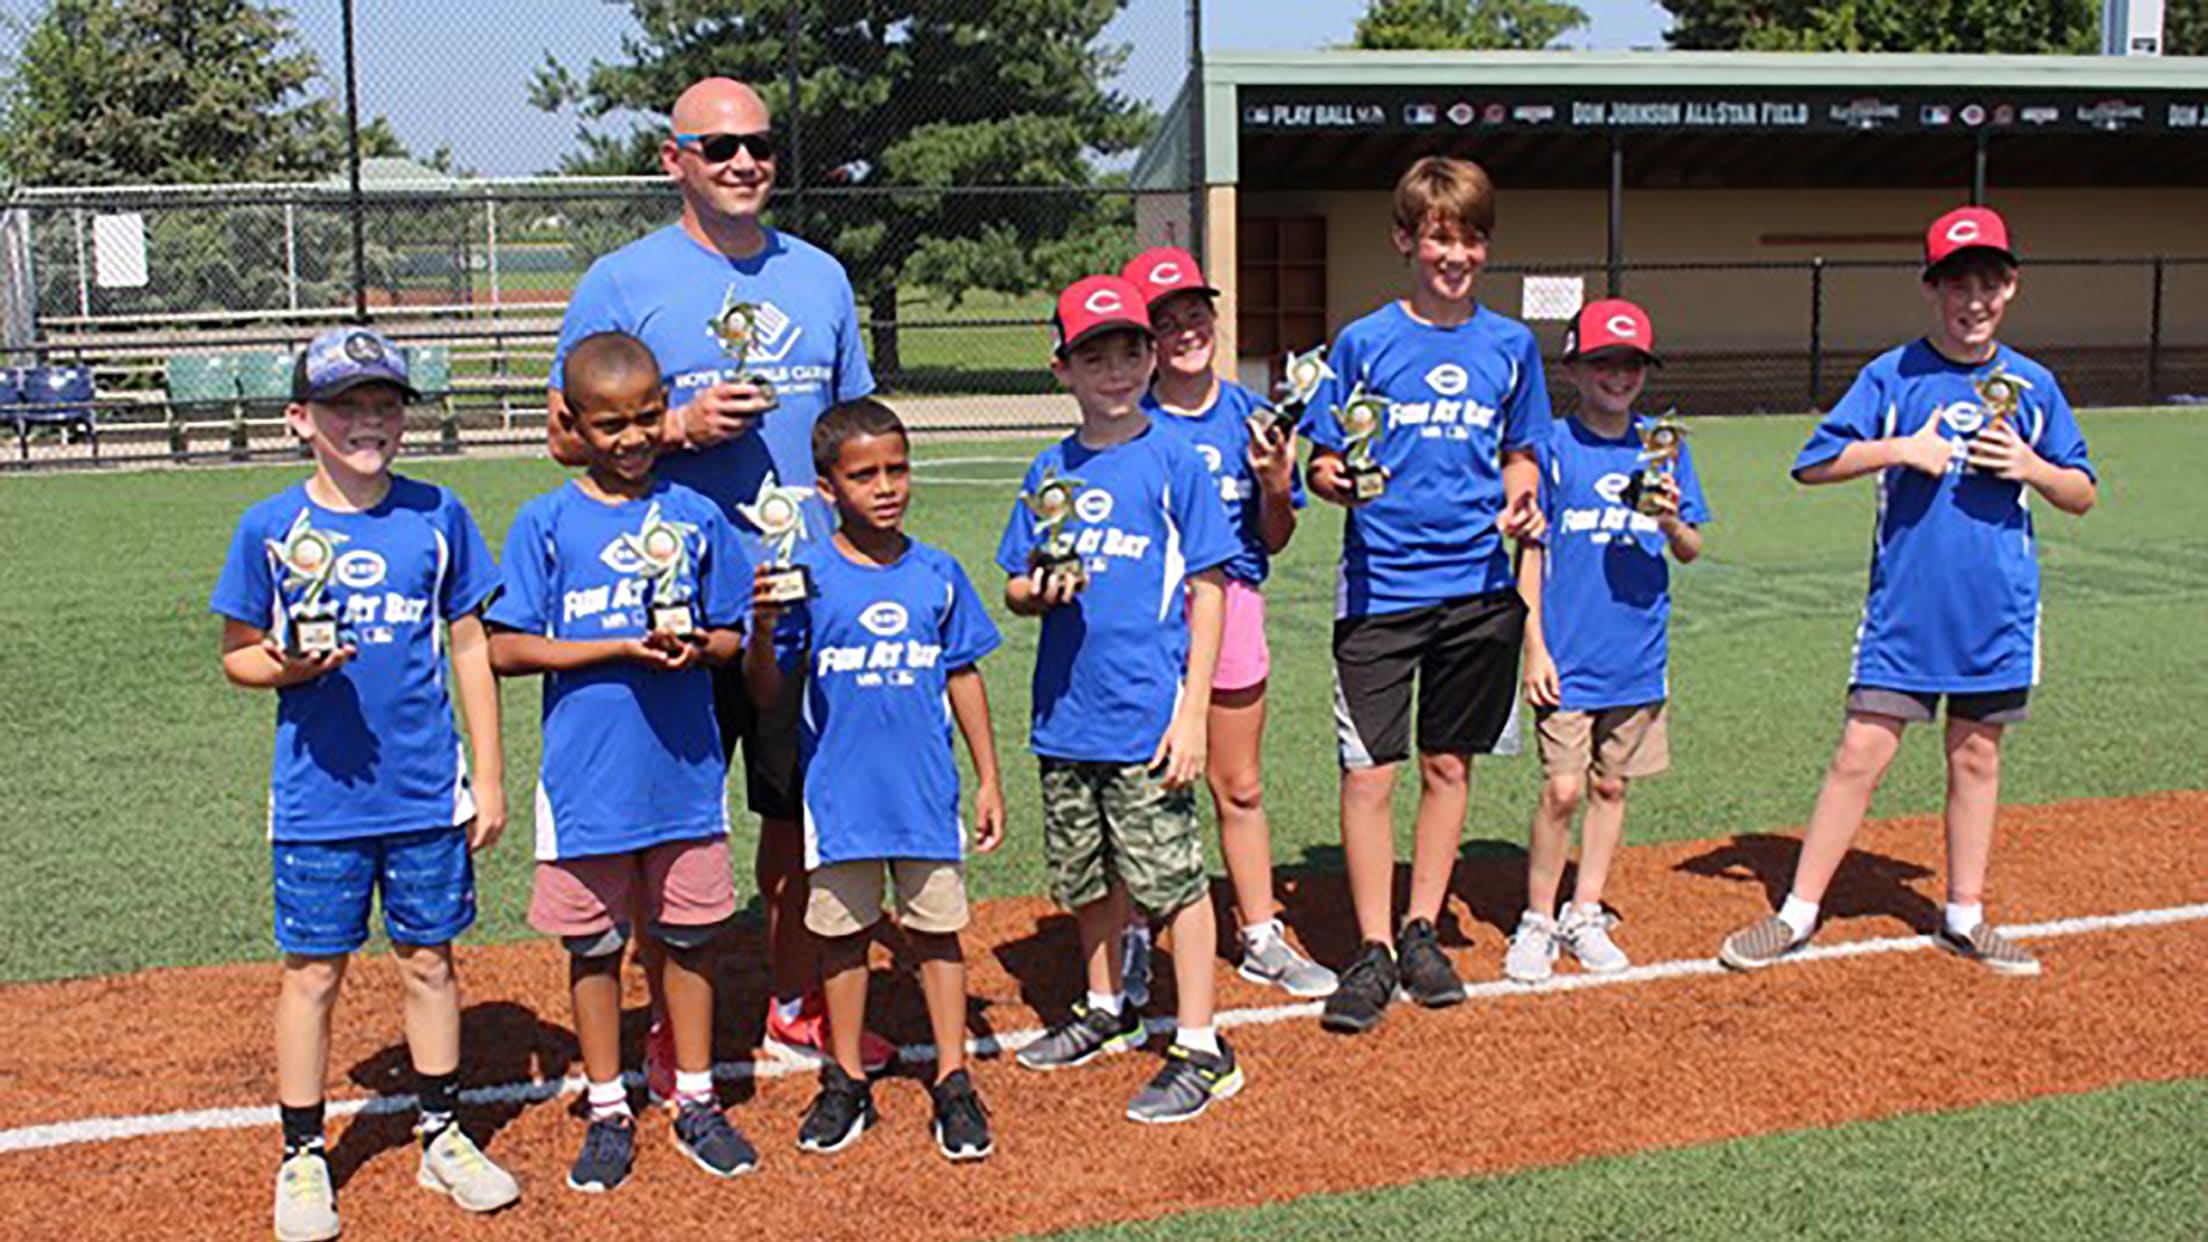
(1254, 464)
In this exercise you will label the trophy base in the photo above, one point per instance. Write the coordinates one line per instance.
(1366, 484)
(314, 636)
(1639, 493)
(788, 584)
(675, 619)
(1048, 573)
(765, 387)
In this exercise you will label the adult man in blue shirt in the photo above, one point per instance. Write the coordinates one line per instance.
(698, 292)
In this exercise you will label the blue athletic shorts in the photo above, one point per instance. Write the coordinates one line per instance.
(323, 888)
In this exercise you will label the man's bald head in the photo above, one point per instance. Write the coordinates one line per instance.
(720, 106)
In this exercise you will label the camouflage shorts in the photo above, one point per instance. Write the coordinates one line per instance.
(1107, 821)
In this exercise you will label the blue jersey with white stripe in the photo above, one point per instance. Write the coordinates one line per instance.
(1458, 398)
(369, 749)
(1109, 670)
(1221, 436)
(880, 643)
(632, 754)
(1954, 591)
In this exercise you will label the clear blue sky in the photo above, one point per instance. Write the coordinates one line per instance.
(456, 72)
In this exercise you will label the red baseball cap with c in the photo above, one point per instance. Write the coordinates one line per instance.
(1163, 271)
(1098, 304)
(1966, 228)
(1610, 325)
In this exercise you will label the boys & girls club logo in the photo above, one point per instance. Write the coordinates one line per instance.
(884, 618)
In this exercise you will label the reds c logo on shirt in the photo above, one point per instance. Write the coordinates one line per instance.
(1102, 302)
(1962, 417)
(361, 569)
(884, 618)
(1094, 505)
(1448, 379)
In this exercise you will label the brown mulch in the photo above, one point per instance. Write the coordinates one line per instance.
(1481, 1089)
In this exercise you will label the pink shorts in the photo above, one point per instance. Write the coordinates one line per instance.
(1244, 659)
(678, 883)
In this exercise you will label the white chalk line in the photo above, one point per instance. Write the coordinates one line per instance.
(778, 1064)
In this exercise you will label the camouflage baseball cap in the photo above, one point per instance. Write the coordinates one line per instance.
(342, 359)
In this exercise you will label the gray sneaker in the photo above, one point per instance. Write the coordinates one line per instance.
(1587, 936)
(1532, 949)
(1092, 1033)
(1186, 1085)
(1134, 965)
(453, 1165)
(1989, 949)
(1277, 964)
(306, 1203)
(1759, 944)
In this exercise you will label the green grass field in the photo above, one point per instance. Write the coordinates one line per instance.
(131, 760)
(134, 788)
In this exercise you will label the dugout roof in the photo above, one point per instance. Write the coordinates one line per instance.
(1352, 120)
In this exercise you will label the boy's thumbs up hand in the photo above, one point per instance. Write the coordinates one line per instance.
(1928, 451)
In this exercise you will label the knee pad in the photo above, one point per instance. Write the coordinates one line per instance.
(686, 937)
(607, 943)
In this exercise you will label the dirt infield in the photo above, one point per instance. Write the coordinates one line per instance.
(1668, 1059)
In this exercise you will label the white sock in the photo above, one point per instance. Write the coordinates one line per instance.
(1105, 1002)
(609, 1099)
(1258, 935)
(698, 1086)
(1799, 916)
(1963, 920)
(1204, 1039)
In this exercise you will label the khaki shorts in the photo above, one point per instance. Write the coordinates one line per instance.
(1107, 821)
(1618, 742)
(846, 898)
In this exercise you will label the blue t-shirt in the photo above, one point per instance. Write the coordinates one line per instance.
(882, 641)
(1221, 436)
(671, 293)
(1458, 399)
(371, 748)
(1110, 666)
(632, 756)
(1606, 580)
(1954, 594)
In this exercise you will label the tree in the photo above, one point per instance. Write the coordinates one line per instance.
(2185, 28)
(1526, 25)
(107, 92)
(2008, 26)
(922, 96)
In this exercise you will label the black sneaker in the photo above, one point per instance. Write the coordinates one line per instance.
(839, 1114)
(961, 1123)
(1428, 978)
(609, 1148)
(1363, 993)
(1092, 1033)
(704, 1134)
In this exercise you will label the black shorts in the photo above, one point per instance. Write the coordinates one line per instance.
(1463, 655)
(1993, 707)
(772, 785)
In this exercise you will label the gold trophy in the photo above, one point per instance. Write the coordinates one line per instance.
(663, 548)
(1999, 395)
(778, 514)
(1054, 559)
(737, 329)
(1362, 420)
(1661, 442)
(309, 558)
(1300, 379)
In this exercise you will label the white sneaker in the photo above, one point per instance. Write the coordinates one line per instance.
(1587, 935)
(453, 1165)
(1532, 949)
(306, 1203)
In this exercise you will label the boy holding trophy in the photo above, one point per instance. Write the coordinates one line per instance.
(623, 590)
(1960, 431)
(1619, 492)
(893, 635)
(332, 595)
(1426, 435)
(1122, 689)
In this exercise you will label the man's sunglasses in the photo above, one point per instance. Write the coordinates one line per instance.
(721, 148)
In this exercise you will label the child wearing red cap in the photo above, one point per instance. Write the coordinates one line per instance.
(1253, 467)
(1959, 430)
(1116, 546)
(1598, 611)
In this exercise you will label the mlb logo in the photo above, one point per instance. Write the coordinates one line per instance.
(1936, 114)
(1419, 114)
